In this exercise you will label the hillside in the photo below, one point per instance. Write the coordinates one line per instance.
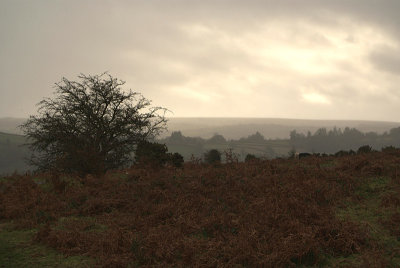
(10, 125)
(13, 153)
(317, 211)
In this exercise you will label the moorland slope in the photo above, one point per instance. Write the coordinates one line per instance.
(326, 211)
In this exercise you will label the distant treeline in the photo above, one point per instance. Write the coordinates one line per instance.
(255, 144)
(177, 137)
(12, 153)
(324, 141)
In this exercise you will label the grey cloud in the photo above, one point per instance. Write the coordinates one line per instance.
(143, 42)
(387, 60)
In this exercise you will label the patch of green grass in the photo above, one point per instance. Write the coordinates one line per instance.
(369, 213)
(46, 185)
(372, 188)
(328, 164)
(18, 250)
(3, 179)
(353, 260)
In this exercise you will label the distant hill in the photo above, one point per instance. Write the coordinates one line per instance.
(13, 153)
(235, 128)
(270, 128)
(10, 125)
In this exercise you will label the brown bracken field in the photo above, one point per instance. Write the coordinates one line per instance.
(317, 211)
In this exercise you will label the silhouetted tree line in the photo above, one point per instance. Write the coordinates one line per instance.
(322, 141)
(198, 146)
(177, 138)
(337, 139)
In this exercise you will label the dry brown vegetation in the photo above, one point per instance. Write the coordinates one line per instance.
(263, 213)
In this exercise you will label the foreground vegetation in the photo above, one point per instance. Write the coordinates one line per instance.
(317, 211)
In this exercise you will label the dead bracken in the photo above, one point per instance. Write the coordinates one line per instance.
(280, 212)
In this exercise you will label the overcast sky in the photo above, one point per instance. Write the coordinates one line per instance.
(288, 59)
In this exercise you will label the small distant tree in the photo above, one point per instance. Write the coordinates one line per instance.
(364, 149)
(176, 160)
(213, 156)
(92, 125)
(250, 157)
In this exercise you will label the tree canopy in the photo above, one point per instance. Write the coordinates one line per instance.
(92, 125)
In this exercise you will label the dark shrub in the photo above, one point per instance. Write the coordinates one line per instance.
(176, 160)
(364, 149)
(389, 149)
(304, 155)
(152, 153)
(212, 157)
(250, 157)
(341, 153)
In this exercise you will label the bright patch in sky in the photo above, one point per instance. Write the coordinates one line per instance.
(315, 98)
(279, 57)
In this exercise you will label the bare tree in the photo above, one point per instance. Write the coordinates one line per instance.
(91, 125)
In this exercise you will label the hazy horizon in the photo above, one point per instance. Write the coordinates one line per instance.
(235, 128)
